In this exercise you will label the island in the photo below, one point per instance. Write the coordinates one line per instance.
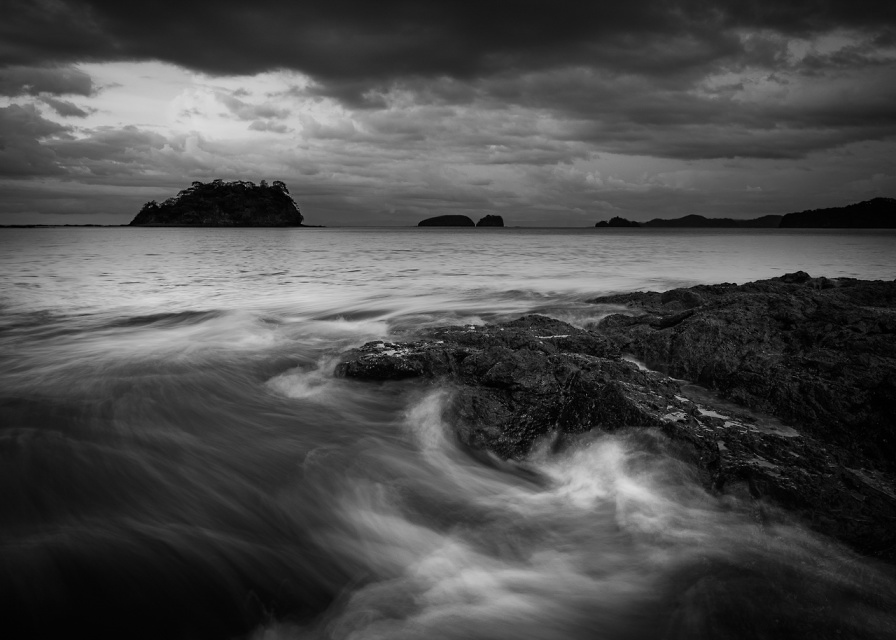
(447, 221)
(490, 221)
(878, 213)
(765, 222)
(224, 204)
(616, 221)
(781, 392)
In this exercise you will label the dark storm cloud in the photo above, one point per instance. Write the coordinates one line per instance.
(21, 80)
(124, 145)
(362, 40)
(22, 128)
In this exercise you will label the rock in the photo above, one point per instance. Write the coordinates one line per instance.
(517, 383)
(447, 221)
(521, 380)
(490, 221)
(817, 353)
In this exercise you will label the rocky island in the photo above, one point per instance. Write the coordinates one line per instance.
(784, 391)
(490, 221)
(447, 221)
(616, 221)
(224, 204)
(461, 221)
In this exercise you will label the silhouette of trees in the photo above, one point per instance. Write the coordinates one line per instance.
(225, 204)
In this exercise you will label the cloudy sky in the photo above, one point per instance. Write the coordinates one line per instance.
(549, 113)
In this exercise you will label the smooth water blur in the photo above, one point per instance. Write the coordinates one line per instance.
(177, 459)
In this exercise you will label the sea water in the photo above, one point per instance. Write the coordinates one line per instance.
(178, 460)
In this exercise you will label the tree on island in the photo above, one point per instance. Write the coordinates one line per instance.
(224, 204)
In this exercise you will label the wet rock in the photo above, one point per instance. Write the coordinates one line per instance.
(534, 378)
(521, 380)
(817, 353)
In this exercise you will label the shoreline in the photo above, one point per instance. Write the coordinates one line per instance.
(777, 443)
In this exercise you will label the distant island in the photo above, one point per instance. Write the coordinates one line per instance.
(616, 221)
(447, 221)
(491, 221)
(879, 213)
(224, 204)
(765, 222)
(461, 221)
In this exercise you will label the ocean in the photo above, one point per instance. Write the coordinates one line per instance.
(177, 459)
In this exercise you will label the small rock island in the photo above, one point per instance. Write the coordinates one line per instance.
(616, 221)
(224, 204)
(462, 221)
(447, 221)
(490, 221)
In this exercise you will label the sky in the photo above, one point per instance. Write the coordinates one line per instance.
(548, 113)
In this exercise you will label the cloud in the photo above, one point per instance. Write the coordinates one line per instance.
(245, 111)
(64, 107)
(397, 108)
(356, 39)
(35, 80)
(22, 154)
(265, 125)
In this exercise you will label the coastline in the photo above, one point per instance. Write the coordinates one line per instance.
(536, 380)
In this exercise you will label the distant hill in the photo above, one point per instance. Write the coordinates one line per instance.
(447, 221)
(224, 204)
(879, 213)
(701, 221)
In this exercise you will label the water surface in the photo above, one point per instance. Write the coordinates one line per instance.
(177, 460)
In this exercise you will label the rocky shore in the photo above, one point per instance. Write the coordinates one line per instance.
(784, 390)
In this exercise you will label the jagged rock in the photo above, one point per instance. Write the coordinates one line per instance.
(521, 380)
(817, 353)
(533, 378)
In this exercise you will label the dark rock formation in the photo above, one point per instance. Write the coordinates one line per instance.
(879, 213)
(490, 221)
(616, 221)
(521, 380)
(697, 221)
(533, 378)
(224, 204)
(447, 221)
(819, 354)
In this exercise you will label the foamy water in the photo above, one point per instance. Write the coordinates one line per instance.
(177, 459)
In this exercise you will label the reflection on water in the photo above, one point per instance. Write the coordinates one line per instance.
(177, 460)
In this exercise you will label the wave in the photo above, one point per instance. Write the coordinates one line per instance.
(615, 539)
